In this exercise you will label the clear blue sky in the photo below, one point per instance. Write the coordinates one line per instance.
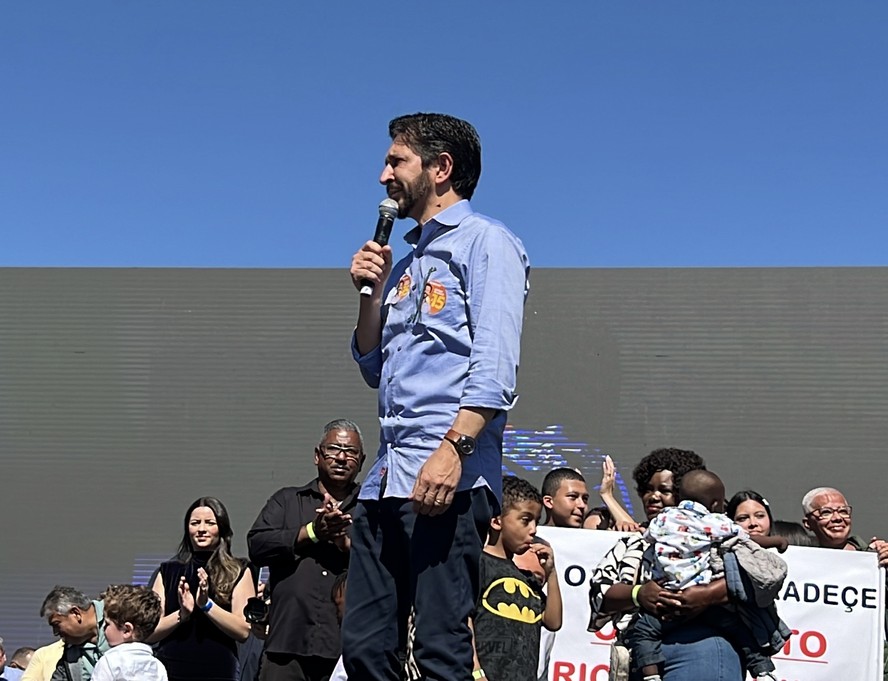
(251, 134)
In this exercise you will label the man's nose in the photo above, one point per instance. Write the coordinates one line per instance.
(387, 175)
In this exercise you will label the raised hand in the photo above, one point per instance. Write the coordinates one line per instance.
(186, 599)
(203, 589)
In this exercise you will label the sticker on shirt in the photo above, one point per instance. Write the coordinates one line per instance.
(403, 287)
(434, 298)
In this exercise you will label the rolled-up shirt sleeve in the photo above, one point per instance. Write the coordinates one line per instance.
(370, 364)
(497, 285)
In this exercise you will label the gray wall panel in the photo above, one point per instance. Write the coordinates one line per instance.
(125, 394)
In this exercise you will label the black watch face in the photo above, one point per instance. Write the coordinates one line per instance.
(465, 445)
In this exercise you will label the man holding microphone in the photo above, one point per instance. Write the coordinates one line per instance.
(439, 336)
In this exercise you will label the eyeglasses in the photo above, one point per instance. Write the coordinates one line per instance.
(334, 451)
(826, 512)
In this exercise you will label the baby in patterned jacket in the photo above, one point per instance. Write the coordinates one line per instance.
(682, 540)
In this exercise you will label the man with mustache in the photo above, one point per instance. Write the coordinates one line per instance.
(302, 536)
(439, 337)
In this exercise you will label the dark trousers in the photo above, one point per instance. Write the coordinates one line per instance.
(279, 667)
(399, 559)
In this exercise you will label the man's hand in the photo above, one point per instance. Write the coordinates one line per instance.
(372, 263)
(437, 480)
(330, 522)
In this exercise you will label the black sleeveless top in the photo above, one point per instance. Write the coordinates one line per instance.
(196, 649)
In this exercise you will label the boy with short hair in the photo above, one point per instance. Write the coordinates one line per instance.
(512, 607)
(565, 497)
(131, 615)
(683, 538)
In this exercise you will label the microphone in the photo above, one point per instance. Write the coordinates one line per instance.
(388, 211)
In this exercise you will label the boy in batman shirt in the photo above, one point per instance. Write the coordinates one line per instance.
(512, 607)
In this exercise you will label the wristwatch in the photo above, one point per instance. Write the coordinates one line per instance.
(464, 444)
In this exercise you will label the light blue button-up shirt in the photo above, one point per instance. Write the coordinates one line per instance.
(452, 315)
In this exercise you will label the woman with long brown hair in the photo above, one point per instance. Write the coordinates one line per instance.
(203, 591)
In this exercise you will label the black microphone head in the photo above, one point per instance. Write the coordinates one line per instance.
(388, 208)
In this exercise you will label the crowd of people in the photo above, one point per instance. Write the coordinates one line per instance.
(200, 617)
(430, 568)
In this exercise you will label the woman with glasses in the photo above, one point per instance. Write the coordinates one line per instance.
(203, 591)
(828, 518)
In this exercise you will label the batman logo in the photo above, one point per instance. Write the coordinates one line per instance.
(513, 599)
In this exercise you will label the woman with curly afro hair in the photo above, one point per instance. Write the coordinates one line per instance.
(621, 584)
(658, 474)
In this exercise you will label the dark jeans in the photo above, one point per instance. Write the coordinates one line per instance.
(279, 667)
(644, 638)
(399, 559)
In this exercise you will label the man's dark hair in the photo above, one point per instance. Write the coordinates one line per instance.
(516, 490)
(677, 461)
(430, 134)
(554, 478)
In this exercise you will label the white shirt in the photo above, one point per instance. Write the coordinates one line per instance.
(129, 662)
(339, 671)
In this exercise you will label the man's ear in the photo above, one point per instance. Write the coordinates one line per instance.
(806, 524)
(548, 502)
(496, 523)
(317, 455)
(127, 628)
(443, 167)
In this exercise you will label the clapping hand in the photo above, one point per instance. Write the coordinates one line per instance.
(203, 589)
(331, 523)
(186, 600)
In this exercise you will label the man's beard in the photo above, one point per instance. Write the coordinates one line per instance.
(410, 194)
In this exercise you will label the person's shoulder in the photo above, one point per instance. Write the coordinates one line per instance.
(483, 228)
(296, 490)
(858, 543)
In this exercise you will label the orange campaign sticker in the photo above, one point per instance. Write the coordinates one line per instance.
(435, 296)
(403, 287)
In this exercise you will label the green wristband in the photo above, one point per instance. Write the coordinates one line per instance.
(310, 531)
(635, 590)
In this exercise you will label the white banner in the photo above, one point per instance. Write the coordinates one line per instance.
(832, 600)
